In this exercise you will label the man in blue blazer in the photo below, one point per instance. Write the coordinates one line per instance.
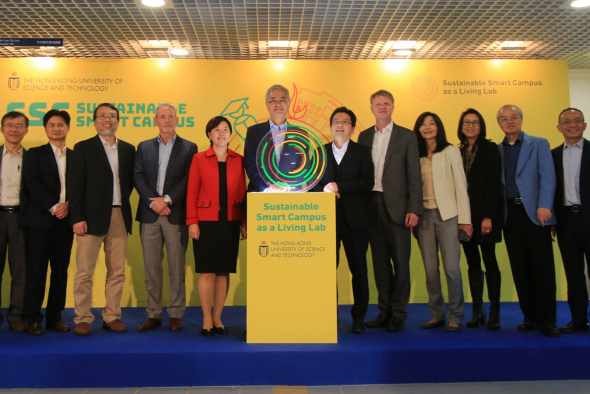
(572, 208)
(161, 172)
(529, 186)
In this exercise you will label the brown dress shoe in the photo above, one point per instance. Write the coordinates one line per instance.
(35, 329)
(150, 324)
(58, 326)
(114, 326)
(82, 329)
(175, 324)
(18, 326)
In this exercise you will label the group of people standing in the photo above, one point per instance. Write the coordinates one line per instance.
(393, 183)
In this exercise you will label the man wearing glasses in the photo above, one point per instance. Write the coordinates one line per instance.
(529, 186)
(572, 209)
(15, 126)
(277, 102)
(100, 181)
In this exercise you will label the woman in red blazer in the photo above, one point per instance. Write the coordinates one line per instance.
(216, 217)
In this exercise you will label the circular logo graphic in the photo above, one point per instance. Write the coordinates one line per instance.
(293, 160)
(424, 87)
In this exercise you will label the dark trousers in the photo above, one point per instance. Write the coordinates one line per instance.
(531, 259)
(390, 243)
(47, 247)
(573, 238)
(488, 254)
(12, 239)
(356, 244)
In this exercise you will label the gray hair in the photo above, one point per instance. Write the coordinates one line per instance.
(277, 87)
(166, 105)
(513, 107)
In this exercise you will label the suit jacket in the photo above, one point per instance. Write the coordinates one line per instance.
(402, 180)
(450, 185)
(42, 184)
(557, 154)
(357, 179)
(202, 200)
(535, 176)
(23, 193)
(484, 185)
(145, 176)
(90, 184)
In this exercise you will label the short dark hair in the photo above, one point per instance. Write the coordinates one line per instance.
(441, 135)
(214, 122)
(382, 92)
(56, 112)
(569, 109)
(108, 105)
(344, 110)
(482, 128)
(14, 115)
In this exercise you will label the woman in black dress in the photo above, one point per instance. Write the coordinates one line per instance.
(216, 218)
(483, 169)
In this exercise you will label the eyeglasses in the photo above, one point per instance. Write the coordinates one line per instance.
(342, 122)
(571, 122)
(274, 101)
(18, 126)
(107, 116)
(513, 118)
(471, 123)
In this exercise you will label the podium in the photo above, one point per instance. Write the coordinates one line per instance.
(291, 269)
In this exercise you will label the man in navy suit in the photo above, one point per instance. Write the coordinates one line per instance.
(161, 171)
(572, 208)
(529, 186)
(49, 234)
(277, 102)
(350, 176)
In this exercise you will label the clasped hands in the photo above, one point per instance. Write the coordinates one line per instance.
(160, 206)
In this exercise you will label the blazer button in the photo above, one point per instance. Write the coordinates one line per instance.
(202, 203)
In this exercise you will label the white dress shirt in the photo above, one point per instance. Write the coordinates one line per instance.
(380, 144)
(60, 158)
(113, 156)
(572, 160)
(10, 177)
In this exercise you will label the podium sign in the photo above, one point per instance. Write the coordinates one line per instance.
(291, 268)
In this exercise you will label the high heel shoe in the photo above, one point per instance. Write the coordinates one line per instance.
(207, 333)
(221, 330)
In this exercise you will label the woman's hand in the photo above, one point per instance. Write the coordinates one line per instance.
(243, 232)
(486, 226)
(193, 231)
(468, 228)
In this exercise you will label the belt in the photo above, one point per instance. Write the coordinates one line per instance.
(13, 208)
(515, 201)
(116, 206)
(573, 208)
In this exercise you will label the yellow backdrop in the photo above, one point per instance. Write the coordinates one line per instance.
(202, 89)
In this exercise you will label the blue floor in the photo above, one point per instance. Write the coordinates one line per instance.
(161, 358)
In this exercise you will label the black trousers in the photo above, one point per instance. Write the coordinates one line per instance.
(47, 247)
(531, 259)
(12, 240)
(573, 238)
(356, 244)
(488, 254)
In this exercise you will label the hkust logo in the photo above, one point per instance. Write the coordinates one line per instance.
(13, 82)
(263, 249)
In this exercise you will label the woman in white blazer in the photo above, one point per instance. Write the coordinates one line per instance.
(446, 212)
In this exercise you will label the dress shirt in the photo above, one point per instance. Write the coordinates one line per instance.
(339, 153)
(274, 129)
(164, 158)
(113, 157)
(60, 158)
(10, 177)
(572, 160)
(380, 144)
(511, 153)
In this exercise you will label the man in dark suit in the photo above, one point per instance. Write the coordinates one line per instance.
(100, 182)
(572, 209)
(350, 175)
(161, 172)
(277, 102)
(529, 186)
(49, 233)
(396, 204)
(15, 126)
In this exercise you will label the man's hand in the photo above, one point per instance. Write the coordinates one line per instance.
(543, 215)
(412, 220)
(61, 210)
(80, 228)
(165, 212)
(158, 204)
(331, 187)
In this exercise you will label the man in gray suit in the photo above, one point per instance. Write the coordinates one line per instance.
(396, 203)
(161, 172)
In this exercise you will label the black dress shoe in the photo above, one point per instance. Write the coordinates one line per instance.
(221, 330)
(35, 329)
(358, 327)
(433, 324)
(395, 325)
(207, 333)
(527, 326)
(550, 330)
(380, 321)
(574, 327)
